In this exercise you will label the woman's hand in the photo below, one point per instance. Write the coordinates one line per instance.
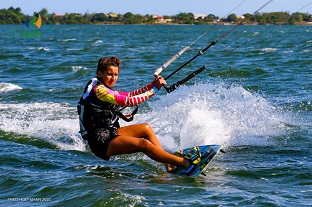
(159, 82)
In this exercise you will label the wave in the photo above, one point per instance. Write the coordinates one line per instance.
(76, 68)
(67, 40)
(97, 42)
(232, 72)
(54, 123)
(39, 48)
(191, 115)
(6, 87)
(300, 106)
(268, 49)
(307, 51)
(215, 114)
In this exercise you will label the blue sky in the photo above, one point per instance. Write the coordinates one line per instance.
(160, 7)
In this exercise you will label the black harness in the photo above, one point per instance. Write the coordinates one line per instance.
(95, 114)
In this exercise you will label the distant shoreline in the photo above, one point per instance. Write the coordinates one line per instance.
(15, 16)
(222, 24)
(174, 24)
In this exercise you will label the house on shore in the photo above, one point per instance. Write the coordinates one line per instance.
(196, 16)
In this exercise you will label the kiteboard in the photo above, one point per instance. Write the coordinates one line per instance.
(200, 156)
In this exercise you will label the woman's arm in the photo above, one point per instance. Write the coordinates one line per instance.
(157, 82)
(123, 98)
(138, 91)
(129, 98)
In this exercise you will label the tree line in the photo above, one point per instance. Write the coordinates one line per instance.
(15, 16)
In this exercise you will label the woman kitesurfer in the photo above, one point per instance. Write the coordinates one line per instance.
(98, 110)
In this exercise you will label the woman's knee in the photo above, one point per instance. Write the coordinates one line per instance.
(147, 128)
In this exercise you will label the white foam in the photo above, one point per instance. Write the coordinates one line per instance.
(67, 40)
(98, 42)
(191, 115)
(73, 49)
(6, 87)
(77, 68)
(51, 122)
(269, 49)
(39, 48)
(213, 114)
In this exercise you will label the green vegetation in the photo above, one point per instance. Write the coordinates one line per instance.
(11, 16)
(14, 16)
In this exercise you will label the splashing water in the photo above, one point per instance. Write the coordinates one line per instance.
(6, 87)
(192, 115)
(214, 114)
(54, 123)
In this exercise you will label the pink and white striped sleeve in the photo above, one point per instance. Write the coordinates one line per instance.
(125, 98)
(138, 91)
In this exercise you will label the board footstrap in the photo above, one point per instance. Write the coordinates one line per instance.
(199, 157)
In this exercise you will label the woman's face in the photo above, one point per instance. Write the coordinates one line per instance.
(109, 76)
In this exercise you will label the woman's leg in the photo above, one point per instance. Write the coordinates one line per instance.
(141, 131)
(126, 145)
(130, 141)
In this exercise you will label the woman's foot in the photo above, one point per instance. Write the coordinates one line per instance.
(186, 165)
(169, 167)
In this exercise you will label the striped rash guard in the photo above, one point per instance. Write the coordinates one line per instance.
(119, 98)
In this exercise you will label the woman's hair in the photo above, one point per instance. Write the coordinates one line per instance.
(105, 62)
